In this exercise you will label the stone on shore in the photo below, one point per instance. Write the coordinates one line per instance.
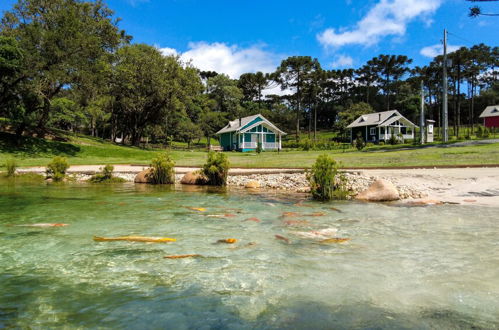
(143, 177)
(379, 191)
(193, 178)
(252, 185)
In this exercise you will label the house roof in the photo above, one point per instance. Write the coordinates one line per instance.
(490, 111)
(240, 125)
(384, 118)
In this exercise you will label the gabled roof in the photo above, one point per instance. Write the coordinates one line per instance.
(246, 123)
(379, 119)
(490, 111)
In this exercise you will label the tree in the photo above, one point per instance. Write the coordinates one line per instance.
(143, 89)
(188, 131)
(389, 70)
(295, 73)
(227, 95)
(476, 11)
(62, 42)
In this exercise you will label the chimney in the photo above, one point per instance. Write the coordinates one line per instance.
(379, 117)
(239, 121)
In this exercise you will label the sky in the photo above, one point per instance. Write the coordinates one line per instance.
(238, 36)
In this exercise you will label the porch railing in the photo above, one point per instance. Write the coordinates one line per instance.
(265, 145)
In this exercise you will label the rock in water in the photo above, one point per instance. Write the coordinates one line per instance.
(193, 178)
(252, 185)
(379, 191)
(143, 177)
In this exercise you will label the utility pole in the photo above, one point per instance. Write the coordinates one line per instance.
(421, 116)
(445, 118)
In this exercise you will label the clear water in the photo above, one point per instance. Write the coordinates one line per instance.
(422, 267)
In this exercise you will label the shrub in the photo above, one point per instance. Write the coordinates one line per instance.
(326, 183)
(11, 167)
(369, 144)
(258, 147)
(216, 169)
(381, 143)
(162, 170)
(359, 143)
(306, 145)
(106, 176)
(56, 169)
(393, 140)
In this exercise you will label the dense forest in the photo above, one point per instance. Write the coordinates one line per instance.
(65, 64)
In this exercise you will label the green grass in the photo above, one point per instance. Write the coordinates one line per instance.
(82, 150)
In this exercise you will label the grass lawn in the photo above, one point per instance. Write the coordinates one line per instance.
(88, 151)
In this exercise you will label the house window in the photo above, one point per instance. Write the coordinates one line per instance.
(403, 130)
(382, 130)
(372, 130)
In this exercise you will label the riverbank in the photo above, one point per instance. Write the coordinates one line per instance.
(456, 185)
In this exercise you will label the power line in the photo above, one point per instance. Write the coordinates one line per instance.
(459, 37)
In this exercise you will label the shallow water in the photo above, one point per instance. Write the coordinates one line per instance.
(420, 267)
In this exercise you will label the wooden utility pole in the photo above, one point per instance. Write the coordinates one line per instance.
(421, 116)
(445, 117)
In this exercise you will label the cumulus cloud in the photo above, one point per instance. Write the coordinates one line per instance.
(229, 59)
(342, 61)
(438, 49)
(168, 51)
(386, 18)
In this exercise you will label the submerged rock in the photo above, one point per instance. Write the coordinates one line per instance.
(252, 185)
(379, 191)
(193, 178)
(144, 176)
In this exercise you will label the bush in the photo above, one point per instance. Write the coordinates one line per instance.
(106, 176)
(325, 181)
(381, 143)
(306, 145)
(369, 144)
(216, 169)
(56, 169)
(162, 170)
(359, 143)
(393, 140)
(11, 167)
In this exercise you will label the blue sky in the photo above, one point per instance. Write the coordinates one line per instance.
(241, 35)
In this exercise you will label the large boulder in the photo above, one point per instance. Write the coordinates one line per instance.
(193, 178)
(144, 176)
(379, 191)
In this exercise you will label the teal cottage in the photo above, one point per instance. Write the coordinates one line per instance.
(244, 134)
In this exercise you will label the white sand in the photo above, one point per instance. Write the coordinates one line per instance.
(458, 185)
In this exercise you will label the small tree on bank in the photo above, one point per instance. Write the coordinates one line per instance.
(216, 169)
(326, 183)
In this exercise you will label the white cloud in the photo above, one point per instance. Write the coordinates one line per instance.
(386, 18)
(438, 49)
(342, 61)
(168, 51)
(229, 59)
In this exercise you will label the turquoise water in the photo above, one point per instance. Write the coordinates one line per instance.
(421, 267)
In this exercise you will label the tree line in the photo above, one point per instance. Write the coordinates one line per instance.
(66, 64)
